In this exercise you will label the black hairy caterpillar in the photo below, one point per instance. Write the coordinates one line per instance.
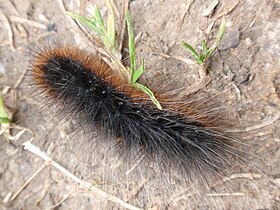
(178, 137)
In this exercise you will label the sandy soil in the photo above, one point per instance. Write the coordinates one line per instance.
(246, 67)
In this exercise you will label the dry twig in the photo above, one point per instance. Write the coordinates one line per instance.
(18, 82)
(179, 58)
(225, 194)
(226, 12)
(27, 182)
(258, 126)
(28, 22)
(123, 27)
(9, 29)
(86, 185)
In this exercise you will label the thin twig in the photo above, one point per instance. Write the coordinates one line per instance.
(9, 29)
(251, 176)
(8, 127)
(17, 136)
(183, 15)
(115, 9)
(258, 126)
(86, 185)
(198, 86)
(210, 9)
(12, 8)
(18, 82)
(135, 165)
(237, 90)
(65, 197)
(80, 29)
(136, 191)
(26, 21)
(43, 192)
(225, 194)
(226, 12)
(123, 27)
(181, 196)
(179, 58)
(28, 181)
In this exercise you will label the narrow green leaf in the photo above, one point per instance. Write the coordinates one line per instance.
(110, 34)
(204, 47)
(201, 59)
(192, 51)
(97, 18)
(206, 53)
(221, 33)
(131, 44)
(96, 24)
(149, 92)
(4, 118)
(138, 73)
(222, 30)
(209, 52)
(91, 25)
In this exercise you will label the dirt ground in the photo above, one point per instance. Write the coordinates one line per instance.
(246, 67)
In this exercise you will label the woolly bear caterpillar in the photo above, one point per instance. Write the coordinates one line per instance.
(177, 138)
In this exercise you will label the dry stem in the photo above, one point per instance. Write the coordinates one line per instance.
(86, 185)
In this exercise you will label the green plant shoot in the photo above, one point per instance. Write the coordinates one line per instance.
(207, 52)
(4, 119)
(134, 71)
(107, 34)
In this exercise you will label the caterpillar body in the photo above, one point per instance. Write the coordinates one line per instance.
(177, 137)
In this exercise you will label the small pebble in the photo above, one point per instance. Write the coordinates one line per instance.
(249, 41)
(230, 40)
(276, 84)
(51, 27)
(2, 69)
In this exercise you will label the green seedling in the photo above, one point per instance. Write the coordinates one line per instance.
(107, 35)
(206, 52)
(135, 71)
(6, 124)
(4, 118)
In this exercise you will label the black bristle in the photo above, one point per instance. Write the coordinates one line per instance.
(173, 137)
